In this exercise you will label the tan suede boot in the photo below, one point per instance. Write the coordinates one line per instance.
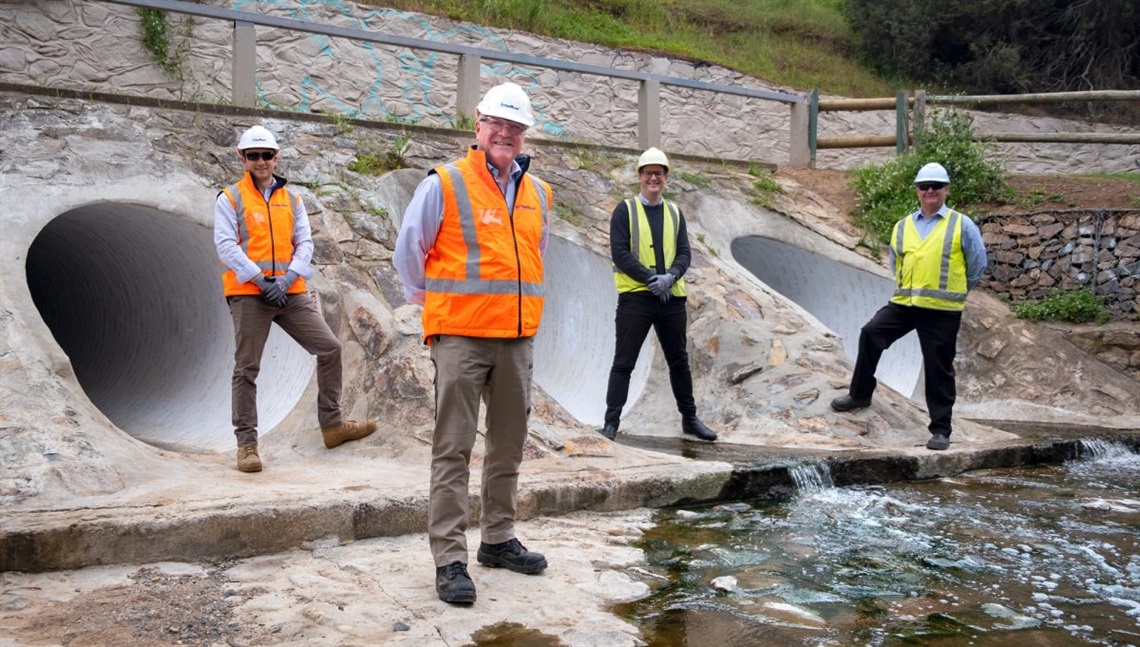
(248, 460)
(348, 430)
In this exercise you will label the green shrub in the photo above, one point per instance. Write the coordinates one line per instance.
(885, 192)
(1074, 306)
(379, 162)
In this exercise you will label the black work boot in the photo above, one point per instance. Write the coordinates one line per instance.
(847, 403)
(693, 426)
(512, 556)
(453, 584)
(609, 431)
(939, 440)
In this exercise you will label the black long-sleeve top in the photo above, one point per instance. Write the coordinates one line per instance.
(625, 258)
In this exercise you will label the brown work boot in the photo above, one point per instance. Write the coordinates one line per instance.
(348, 430)
(248, 460)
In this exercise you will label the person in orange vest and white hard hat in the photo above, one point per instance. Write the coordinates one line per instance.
(937, 256)
(261, 231)
(649, 246)
(470, 249)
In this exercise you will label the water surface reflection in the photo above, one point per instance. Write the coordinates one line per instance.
(1046, 555)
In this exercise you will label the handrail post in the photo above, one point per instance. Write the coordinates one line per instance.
(900, 122)
(919, 112)
(467, 82)
(813, 125)
(799, 155)
(244, 82)
(649, 114)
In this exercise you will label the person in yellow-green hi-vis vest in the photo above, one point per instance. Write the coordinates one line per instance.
(937, 256)
(649, 245)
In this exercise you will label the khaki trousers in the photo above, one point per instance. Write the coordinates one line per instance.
(303, 322)
(466, 369)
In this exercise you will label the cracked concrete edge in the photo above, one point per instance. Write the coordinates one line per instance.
(39, 542)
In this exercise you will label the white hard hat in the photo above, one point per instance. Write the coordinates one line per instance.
(507, 101)
(257, 137)
(652, 156)
(932, 172)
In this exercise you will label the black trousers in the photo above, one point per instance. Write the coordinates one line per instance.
(938, 338)
(637, 312)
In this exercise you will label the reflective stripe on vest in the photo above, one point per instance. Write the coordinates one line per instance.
(930, 272)
(282, 244)
(484, 274)
(642, 247)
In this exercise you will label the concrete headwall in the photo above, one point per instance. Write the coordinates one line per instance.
(96, 46)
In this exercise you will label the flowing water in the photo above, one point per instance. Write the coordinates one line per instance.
(1044, 555)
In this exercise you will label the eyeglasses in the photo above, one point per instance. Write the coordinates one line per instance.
(652, 174)
(931, 186)
(508, 127)
(254, 156)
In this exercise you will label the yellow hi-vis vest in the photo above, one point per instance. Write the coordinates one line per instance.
(265, 233)
(930, 273)
(484, 274)
(641, 243)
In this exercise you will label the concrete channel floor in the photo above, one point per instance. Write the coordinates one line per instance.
(342, 559)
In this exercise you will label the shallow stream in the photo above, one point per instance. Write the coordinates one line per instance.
(1043, 555)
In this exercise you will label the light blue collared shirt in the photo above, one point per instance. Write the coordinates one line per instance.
(422, 220)
(973, 248)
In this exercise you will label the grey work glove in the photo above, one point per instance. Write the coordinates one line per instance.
(660, 283)
(277, 292)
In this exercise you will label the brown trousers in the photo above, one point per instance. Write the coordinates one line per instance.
(466, 369)
(301, 319)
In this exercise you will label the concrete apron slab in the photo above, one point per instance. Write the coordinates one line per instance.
(69, 539)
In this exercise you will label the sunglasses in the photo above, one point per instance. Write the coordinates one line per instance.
(930, 186)
(255, 156)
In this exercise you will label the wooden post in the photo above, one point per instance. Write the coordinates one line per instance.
(813, 125)
(467, 86)
(900, 122)
(919, 113)
(244, 82)
(799, 155)
(649, 114)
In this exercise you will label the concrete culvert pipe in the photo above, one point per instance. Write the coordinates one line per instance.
(133, 296)
(841, 297)
(574, 348)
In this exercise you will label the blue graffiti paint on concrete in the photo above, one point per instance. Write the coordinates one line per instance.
(417, 66)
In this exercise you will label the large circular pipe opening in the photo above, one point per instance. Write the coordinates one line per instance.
(133, 297)
(574, 348)
(840, 296)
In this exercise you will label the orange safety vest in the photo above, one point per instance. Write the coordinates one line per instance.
(265, 233)
(483, 274)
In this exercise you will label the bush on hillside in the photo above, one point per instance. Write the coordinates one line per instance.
(1002, 46)
(885, 192)
(1075, 306)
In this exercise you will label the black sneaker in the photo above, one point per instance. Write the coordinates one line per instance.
(453, 584)
(694, 427)
(609, 431)
(512, 556)
(938, 441)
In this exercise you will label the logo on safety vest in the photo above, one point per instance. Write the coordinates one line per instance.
(490, 217)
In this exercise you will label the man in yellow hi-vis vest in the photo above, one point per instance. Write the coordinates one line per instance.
(470, 250)
(649, 246)
(937, 256)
